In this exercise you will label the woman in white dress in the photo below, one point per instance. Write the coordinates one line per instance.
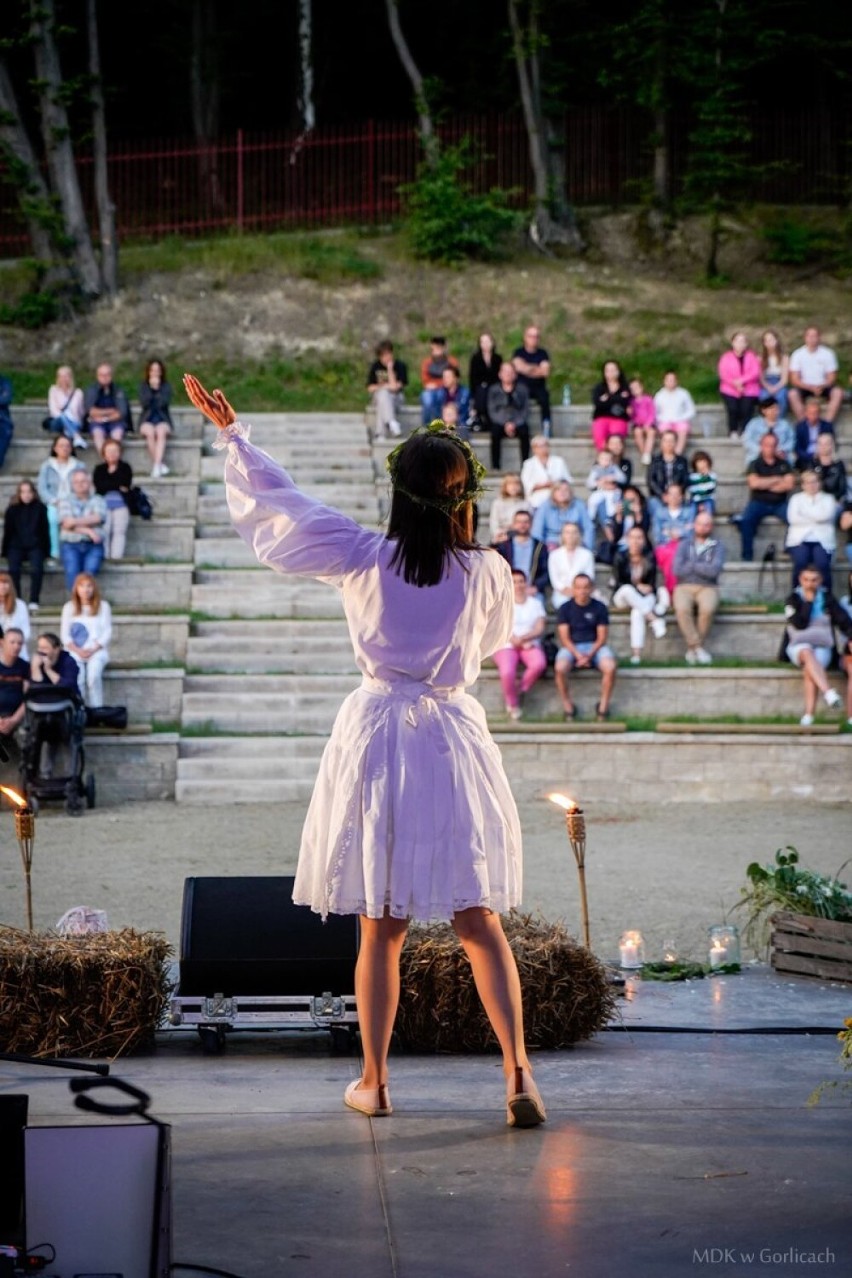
(412, 815)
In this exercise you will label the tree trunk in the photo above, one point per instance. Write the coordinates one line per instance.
(306, 68)
(428, 137)
(106, 208)
(57, 142)
(33, 196)
(204, 100)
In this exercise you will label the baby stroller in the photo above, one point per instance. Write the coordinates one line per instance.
(52, 754)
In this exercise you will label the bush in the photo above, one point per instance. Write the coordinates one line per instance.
(447, 222)
(794, 243)
(32, 310)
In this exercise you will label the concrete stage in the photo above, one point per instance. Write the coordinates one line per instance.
(665, 1154)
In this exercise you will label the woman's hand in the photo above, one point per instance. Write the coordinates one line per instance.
(214, 406)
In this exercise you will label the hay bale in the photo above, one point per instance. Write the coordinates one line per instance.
(566, 994)
(101, 994)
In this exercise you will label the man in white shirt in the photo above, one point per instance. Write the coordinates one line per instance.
(813, 371)
(541, 471)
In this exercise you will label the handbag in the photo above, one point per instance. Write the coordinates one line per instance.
(106, 716)
(139, 503)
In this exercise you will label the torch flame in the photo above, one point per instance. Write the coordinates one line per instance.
(17, 799)
(562, 802)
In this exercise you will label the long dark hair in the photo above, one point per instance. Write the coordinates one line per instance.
(435, 468)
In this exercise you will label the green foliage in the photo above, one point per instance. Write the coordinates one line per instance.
(335, 258)
(447, 222)
(794, 243)
(787, 886)
(32, 310)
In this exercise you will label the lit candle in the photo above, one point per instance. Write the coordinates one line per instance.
(631, 950)
(724, 946)
(718, 954)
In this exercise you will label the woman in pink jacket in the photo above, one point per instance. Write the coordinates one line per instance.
(739, 383)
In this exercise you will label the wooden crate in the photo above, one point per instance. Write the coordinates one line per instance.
(814, 947)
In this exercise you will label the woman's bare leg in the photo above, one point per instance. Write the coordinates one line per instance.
(377, 992)
(497, 982)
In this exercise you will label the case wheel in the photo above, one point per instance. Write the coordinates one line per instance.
(212, 1039)
(90, 791)
(342, 1039)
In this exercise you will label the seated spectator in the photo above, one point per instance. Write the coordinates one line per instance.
(565, 562)
(811, 534)
(532, 364)
(521, 550)
(808, 431)
(561, 508)
(450, 418)
(13, 611)
(14, 678)
(82, 524)
(698, 563)
(831, 470)
(26, 538)
(770, 482)
(54, 483)
(113, 479)
(739, 383)
(452, 392)
(7, 426)
(774, 371)
(524, 647)
(155, 419)
(813, 372)
(634, 581)
(634, 513)
(604, 485)
(483, 373)
(670, 523)
(431, 378)
(508, 405)
(667, 467)
(643, 416)
(845, 658)
(812, 615)
(65, 406)
(504, 507)
(387, 379)
(845, 523)
(768, 418)
(541, 471)
(85, 629)
(845, 601)
(675, 409)
(106, 411)
(51, 664)
(582, 631)
(615, 444)
(611, 402)
(702, 482)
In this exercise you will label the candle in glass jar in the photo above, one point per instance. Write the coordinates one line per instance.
(718, 954)
(631, 950)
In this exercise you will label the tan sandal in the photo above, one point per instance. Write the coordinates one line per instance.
(524, 1107)
(375, 1102)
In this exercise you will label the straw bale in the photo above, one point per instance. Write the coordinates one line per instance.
(567, 996)
(102, 994)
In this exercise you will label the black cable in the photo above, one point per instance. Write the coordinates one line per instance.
(206, 1269)
(701, 1029)
(48, 1260)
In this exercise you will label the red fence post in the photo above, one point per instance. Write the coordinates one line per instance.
(240, 181)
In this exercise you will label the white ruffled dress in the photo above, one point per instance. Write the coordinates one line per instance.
(412, 811)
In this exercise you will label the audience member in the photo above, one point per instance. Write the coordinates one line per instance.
(155, 419)
(675, 409)
(524, 647)
(521, 550)
(387, 378)
(845, 658)
(7, 426)
(774, 370)
(643, 415)
(768, 418)
(13, 611)
(808, 431)
(634, 580)
(54, 483)
(702, 481)
(65, 407)
(483, 373)
(532, 364)
(541, 471)
(453, 392)
(82, 521)
(670, 523)
(698, 563)
(634, 513)
(829, 467)
(508, 405)
(813, 372)
(739, 383)
(770, 482)
(604, 485)
(565, 562)
(85, 629)
(611, 402)
(113, 479)
(432, 378)
(26, 538)
(615, 444)
(14, 677)
(811, 533)
(106, 411)
(51, 664)
(845, 601)
(812, 615)
(562, 507)
(582, 630)
(504, 507)
(845, 523)
(667, 467)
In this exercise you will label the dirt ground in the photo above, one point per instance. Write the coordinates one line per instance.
(669, 871)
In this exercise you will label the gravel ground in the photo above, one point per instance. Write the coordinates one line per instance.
(669, 871)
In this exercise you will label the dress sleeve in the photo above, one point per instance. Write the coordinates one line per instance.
(287, 530)
(501, 612)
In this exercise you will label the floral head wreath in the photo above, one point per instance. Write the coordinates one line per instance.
(476, 471)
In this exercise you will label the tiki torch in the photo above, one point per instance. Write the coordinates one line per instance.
(575, 824)
(25, 832)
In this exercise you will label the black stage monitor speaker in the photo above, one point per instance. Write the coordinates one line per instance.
(13, 1120)
(244, 935)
